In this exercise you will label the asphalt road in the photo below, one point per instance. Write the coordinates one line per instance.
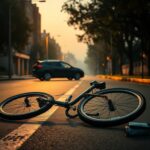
(59, 132)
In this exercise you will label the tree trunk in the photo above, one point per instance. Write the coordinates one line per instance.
(120, 65)
(148, 64)
(130, 56)
(130, 65)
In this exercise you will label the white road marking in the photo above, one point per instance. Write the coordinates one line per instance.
(17, 137)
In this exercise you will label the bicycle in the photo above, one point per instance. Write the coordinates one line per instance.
(104, 107)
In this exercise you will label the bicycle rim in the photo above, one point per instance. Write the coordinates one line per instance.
(126, 105)
(25, 105)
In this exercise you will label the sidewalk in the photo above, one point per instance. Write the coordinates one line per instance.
(123, 78)
(15, 77)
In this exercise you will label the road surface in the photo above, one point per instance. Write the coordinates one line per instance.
(55, 131)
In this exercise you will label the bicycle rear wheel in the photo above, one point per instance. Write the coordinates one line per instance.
(110, 107)
(25, 105)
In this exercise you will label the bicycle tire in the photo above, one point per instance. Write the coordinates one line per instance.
(102, 120)
(13, 102)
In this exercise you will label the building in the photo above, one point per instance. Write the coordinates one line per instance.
(45, 42)
(33, 47)
(51, 48)
(34, 17)
(21, 62)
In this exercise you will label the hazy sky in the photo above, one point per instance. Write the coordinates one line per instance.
(55, 22)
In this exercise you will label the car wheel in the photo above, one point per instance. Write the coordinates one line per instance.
(41, 79)
(70, 78)
(77, 76)
(47, 76)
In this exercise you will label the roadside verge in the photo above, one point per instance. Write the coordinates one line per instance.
(15, 77)
(122, 78)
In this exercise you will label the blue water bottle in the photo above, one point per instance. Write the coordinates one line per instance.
(137, 129)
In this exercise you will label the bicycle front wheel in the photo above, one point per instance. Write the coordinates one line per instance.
(25, 105)
(110, 107)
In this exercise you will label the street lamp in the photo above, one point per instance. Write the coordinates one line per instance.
(111, 52)
(109, 64)
(10, 55)
(110, 58)
(9, 45)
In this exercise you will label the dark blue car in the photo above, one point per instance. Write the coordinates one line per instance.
(47, 69)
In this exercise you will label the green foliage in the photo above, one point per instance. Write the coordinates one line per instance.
(118, 23)
(20, 27)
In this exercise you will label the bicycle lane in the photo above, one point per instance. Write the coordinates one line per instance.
(13, 133)
(59, 133)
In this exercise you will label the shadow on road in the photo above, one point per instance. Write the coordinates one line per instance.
(56, 80)
(76, 123)
(68, 122)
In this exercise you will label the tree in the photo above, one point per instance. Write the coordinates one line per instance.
(125, 20)
(143, 24)
(20, 26)
(96, 58)
(70, 58)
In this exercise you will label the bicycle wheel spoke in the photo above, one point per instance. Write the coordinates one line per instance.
(12, 105)
(103, 111)
(95, 106)
(100, 99)
(127, 106)
(16, 111)
(95, 110)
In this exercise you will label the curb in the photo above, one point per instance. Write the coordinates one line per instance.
(139, 80)
(5, 78)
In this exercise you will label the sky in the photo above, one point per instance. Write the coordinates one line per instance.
(55, 22)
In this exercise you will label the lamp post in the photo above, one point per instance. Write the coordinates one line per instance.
(111, 52)
(9, 45)
(10, 54)
(109, 58)
(109, 65)
(142, 71)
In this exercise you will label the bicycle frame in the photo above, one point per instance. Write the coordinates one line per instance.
(67, 104)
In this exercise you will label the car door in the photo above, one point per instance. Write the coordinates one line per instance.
(57, 69)
(66, 69)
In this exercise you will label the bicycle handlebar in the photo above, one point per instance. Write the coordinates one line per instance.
(100, 85)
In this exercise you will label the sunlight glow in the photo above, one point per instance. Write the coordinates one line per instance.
(55, 22)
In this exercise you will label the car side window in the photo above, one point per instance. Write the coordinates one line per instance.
(49, 65)
(56, 65)
(64, 65)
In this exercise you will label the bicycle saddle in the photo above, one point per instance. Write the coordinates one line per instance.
(100, 85)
